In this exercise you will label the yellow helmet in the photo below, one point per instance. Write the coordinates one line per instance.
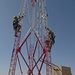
(15, 17)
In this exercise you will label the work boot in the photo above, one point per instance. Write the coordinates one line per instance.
(15, 34)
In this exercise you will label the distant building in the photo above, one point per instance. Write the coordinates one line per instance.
(61, 70)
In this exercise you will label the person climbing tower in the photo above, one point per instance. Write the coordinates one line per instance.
(51, 35)
(16, 25)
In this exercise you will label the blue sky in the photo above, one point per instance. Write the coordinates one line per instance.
(61, 19)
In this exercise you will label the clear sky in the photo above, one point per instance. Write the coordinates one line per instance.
(61, 19)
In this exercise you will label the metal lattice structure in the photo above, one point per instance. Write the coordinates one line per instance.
(33, 55)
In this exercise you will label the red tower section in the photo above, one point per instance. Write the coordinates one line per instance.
(33, 55)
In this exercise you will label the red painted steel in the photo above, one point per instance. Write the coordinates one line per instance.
(34, 64)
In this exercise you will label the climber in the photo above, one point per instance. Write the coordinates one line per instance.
(16, 25)
(51, 35)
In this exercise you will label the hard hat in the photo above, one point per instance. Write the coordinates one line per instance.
(15, 17)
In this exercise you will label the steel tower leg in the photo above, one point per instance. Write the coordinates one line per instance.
(14, 55)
